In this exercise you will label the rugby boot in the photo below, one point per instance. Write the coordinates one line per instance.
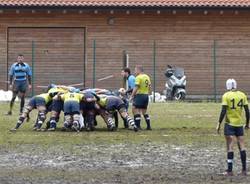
(9, 113)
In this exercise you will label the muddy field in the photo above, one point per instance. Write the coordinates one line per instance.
(183, 147)
(120, 163)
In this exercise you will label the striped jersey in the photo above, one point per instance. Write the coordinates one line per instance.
(19, 71)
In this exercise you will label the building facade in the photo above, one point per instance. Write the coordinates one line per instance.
(71, 43)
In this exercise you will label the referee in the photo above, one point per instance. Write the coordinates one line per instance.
(19, 73)
(126, 73)
(140, 97)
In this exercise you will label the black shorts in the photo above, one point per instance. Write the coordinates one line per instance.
(87, 106)
(233, 131)
(140, 101)
(114, 104)
(57, 106)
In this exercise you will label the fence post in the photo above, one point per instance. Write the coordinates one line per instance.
(84, 60)
(94, 62)
(33, 66)
(124, 66)
(215, 70)
(154, 68)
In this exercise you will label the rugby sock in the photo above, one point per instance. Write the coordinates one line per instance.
(52, 122)
(12, 103)
(22, 104)
(66, 124)
(19, 122)
(57, 118)
(147, 119)
(243, 157)
(125, 123)
(116, 119)
(18, 125)
(21, 119)
(130, 121)
(137, 118)
(35, 125)
(230, 157)
(95, 121)
(39, 124)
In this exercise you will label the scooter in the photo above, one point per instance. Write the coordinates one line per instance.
(176, 83)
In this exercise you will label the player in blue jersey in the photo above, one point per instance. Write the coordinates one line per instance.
(19, 73)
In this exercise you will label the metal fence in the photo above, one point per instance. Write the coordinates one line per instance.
(207, 64)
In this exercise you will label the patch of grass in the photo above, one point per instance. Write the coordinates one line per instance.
(173, 123)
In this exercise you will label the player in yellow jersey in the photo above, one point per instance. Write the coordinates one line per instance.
(71, 109)
(41, 103)
(57, 105)
(140, 97)
(233, 103)
(107, 105)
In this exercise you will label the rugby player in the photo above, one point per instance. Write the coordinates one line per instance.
(88, 110)
(110, 104)
(233, 103)
(100, 91)
(19, 73)
(57, 104)
(41, 103)
(71, 109)
(140, 97)
(122, 93)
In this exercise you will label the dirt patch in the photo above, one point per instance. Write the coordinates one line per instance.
(120, 163)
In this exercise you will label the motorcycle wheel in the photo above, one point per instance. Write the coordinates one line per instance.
(179, 96)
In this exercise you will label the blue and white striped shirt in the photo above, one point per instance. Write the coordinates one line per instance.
(19, 71)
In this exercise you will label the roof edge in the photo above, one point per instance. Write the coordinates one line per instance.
(128, 7)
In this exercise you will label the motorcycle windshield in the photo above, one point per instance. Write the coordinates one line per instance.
(179, 72)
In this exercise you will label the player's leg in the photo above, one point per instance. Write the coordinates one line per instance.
(136, 110)
(147, 118)
(125, 122)
(107, 117)
(67, 122)
(36, 123)
(12, 101)
(229, 133)
(83, 112)
(89, 120)
(22, 117)
(22, 89)
(230, 154)
(242, 148)
(22, 97)
(41, 117)
(116, 118)
(144, 107)
(137, 117)
(93, 112)
(88, 110)
(75, 108)
(67, 116)
(76, 122)
(111, 106)
(81, 122)
(56, 108)
(124, 114)
(32, 104)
